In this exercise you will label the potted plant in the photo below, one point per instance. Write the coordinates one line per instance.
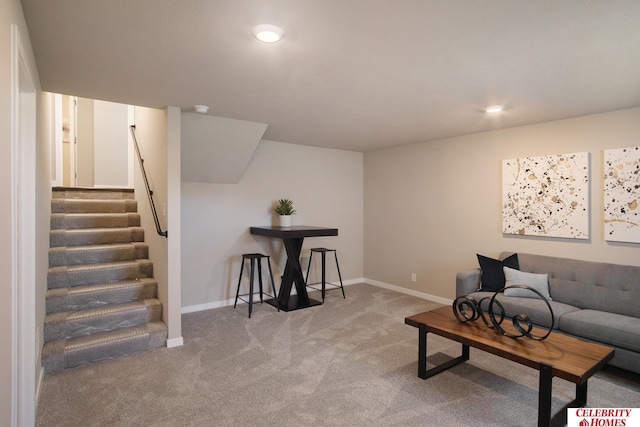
(284, 208)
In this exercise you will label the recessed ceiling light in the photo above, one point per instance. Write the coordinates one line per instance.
(268, 33)
(494, 109)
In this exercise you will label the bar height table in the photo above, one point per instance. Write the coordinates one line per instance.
(293, 238)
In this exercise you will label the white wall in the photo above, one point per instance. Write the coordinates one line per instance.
(174, 240)
(217, 149)
(43, 217)
(110, 144)
(326, 187)
(84, 146)
(430, 207)
(11, 14)
(152, 135)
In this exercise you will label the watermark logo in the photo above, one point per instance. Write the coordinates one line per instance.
(603, 417)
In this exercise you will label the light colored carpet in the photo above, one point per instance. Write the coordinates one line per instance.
(348, 362)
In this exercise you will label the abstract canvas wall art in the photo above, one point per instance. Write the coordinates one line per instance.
(546, 196)
(622, 195)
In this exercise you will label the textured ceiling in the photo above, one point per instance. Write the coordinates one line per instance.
(357, 74)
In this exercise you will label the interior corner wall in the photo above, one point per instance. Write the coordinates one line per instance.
(84, 147)
(151, 134)
(11, 14)
(430, 207)
(326, 186)
(174, 240)
(43, 216)
(110, 144)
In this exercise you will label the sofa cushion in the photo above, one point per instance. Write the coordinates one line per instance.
(607, 328)
(539, 282)
(535, 308)
(492, 278)
(586, 284)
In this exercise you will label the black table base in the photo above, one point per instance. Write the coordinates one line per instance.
(294, 304)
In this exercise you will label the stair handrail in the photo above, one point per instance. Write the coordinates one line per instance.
(146, 183)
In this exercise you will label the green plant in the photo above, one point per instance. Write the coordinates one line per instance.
(285, 207)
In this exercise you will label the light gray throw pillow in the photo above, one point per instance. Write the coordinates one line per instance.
(539, 282)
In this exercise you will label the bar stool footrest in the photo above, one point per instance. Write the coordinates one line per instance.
(314, 285)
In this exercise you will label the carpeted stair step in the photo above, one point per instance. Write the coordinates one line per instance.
(94, 254)
(94, 220)
(102, 298)
(82, 297)
(89, 321)
(91, 193)
(69, 353)
(95, 236)
(93, 206)
(63, 276)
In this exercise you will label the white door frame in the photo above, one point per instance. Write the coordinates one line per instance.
(73, 141)
(55, 135)
(131, 116)
(23, 182)
(56, 124)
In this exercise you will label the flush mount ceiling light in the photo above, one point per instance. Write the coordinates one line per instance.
(268, 33)
(494, 109)
(202, 109)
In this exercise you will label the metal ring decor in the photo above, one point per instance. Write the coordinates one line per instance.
(465, 308)
(491, 322)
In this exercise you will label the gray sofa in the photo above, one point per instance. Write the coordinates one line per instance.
(593, 301)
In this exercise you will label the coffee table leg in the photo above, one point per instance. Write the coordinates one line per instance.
(422, 351)
(544, 400)
(425, 373)
(581, 395)
(544, 396)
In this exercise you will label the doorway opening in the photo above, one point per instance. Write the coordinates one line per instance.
(93, 147)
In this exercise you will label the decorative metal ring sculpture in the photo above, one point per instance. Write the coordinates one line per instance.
(466, 309)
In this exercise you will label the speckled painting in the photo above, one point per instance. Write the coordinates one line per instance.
(621, 195)
(546, 196)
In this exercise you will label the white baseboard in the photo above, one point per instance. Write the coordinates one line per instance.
(39, 384)
(409, 292)
(207, 306)
(175, 342)
(225, 303)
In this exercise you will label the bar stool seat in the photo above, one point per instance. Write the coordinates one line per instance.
(324, 283)
(255, 258)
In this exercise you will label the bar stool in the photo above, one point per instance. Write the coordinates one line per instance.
(255, 259)
(323, 252)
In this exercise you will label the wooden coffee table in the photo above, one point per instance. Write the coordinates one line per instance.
(557, 356)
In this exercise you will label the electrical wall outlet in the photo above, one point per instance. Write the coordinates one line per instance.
(413, 277)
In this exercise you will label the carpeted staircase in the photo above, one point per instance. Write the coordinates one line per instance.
(101, 298)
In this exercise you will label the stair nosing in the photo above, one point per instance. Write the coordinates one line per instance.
(93, 312)
(101, 265)
(124, 283)
(99, 287)
(94, 230)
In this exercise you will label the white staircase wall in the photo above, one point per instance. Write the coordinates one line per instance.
(155, 131)
(111, 144)
(84, 146)
(103, 151)
(215, 149)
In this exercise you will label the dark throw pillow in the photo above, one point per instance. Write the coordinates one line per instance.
(492, 278)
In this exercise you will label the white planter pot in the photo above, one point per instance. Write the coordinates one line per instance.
(285, 220)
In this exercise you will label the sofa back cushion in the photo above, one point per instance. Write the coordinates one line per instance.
(589, 285)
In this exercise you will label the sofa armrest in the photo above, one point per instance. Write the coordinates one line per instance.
(467, 281)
